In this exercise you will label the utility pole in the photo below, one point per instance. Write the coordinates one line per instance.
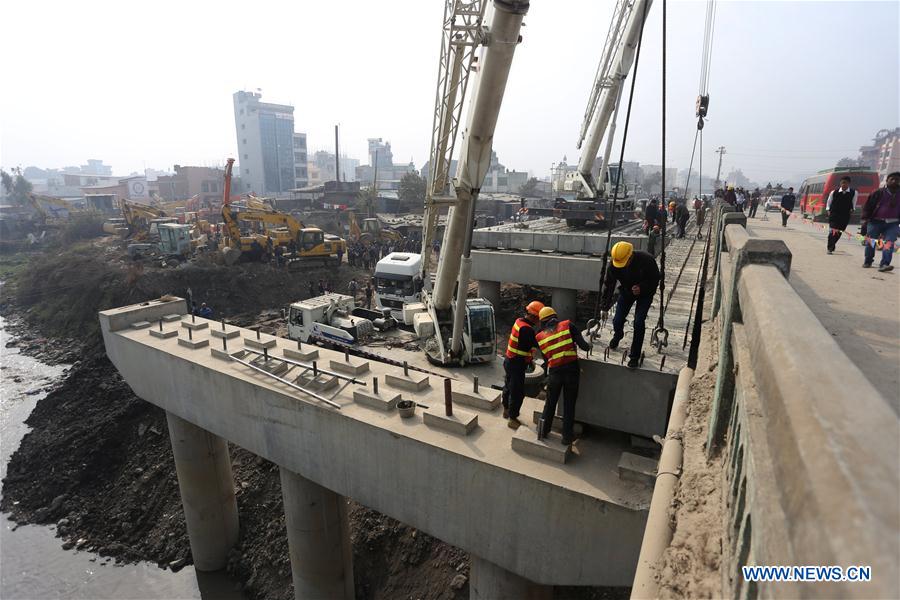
(720, 152)
(337, 156)
(374, 186)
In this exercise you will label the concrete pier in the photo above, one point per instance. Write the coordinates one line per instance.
(318, 538)
(490, 291)
(490, 582)
(207, 492)
(564, 302)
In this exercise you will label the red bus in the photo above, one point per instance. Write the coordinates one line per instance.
(814, 191)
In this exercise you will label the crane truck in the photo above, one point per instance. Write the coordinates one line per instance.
(460, 330)
(594, 195)
(334, 319)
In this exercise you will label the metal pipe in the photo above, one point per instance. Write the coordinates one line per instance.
(658, 532)
(286, 382)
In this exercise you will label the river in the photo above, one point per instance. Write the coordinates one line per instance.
(33, 564)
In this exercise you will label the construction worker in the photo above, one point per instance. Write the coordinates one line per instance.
(638, 276)
(518, 356)
(557, 341)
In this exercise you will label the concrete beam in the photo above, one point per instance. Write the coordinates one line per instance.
(533, 268)
(207, 492)
(318, 539)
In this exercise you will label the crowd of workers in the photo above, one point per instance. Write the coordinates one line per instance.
(366, 257)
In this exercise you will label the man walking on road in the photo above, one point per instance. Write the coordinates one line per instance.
(518, 356)
(682, 216)
(557, 340)
(838, 208)
(881, 218)
(754, 203)
(638, 277)
(787, 206)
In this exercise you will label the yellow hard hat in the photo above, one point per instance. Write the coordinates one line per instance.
(672, 204)
(547, 312)
(534, 308)
(621, 253)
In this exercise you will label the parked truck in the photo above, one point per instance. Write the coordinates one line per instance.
(334, 318)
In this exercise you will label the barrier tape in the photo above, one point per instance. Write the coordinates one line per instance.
(864, 240)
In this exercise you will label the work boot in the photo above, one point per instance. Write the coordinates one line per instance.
(614, 342)
(830, 251)
(505, 413)
(867, 265)
(513, 423)
(885, 268)
(633, 362)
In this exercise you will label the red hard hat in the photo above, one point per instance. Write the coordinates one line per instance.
(534, 308)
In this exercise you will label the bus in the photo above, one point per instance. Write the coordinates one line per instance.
(814, 191)
(398, 281)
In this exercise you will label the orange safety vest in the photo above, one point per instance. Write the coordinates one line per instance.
(557, 345)
(512, 347)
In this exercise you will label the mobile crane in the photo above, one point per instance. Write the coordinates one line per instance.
(461, 330)
(593, 194)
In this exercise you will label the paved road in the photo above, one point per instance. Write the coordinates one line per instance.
(860, 307)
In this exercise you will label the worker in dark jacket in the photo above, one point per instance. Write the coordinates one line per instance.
(787, 206)
(730, 197)
(838, 208)
(557, 341)
(638, 276)
(682, 216)
(881, 218)
(518, 356)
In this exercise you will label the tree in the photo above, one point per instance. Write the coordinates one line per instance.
(16, 187)
(529, 188)
(412, 189)
(847, 162)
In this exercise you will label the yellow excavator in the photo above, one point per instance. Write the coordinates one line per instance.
(268, 229)
(50, 211)
(372, 230)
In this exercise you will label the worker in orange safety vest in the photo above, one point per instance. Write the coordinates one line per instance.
(518, 357)
(559, 342)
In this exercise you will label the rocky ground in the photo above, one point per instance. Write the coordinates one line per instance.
(98, 464)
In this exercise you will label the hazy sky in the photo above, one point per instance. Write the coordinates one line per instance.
(794, 85)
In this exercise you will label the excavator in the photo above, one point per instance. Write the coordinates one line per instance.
(460, 330)
(49, 210)
(372, 230)
(269, 229)
(143, 220)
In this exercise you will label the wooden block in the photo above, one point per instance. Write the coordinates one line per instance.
(415, 382)
(380, 400)
(550, 448)
(459, 423)
(227, 333)
(308, 354)
(350, 367)
(140, 325)
(259, 344)
(193, 344)
(485, 399)
(633, 467)
(163, 334)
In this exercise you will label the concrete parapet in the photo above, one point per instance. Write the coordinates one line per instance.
(318, 539)
(490, 582)
(152, 311)
(459, 423)
(207, 492)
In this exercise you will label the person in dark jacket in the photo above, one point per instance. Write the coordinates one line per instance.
(518, 356)
(682, 216)
(730, 196)
(558, 341)
(787, 206)
(638, 276)
(881, 218)
(838, 208)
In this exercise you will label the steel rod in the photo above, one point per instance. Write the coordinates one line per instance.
(286, 382)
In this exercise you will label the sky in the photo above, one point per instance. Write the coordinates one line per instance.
(794, 86)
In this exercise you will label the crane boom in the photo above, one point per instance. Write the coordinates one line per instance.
(615, 65)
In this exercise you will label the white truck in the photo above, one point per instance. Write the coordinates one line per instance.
(398, 282)
(334, 318)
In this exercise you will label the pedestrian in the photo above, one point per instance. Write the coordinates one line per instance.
(369, 294)
(754, 203)
(682, 216)
(787, 206)
(881, 218)
(638, 276)
(205, 311)
(740, 200)
(650, 214)
(353, 287)
(519, 348)
(557, 342)
(321, 287)
(730, 197)
(340, 254)
(838, 207)
(311, 288)
(699, 216)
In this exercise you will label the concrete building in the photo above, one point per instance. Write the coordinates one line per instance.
(187, 182)
(301, 173)
(96, 167)
(501, 180)
(324, 168)
(266, 144)
(425, 171)
(388, 174)
(883, 155)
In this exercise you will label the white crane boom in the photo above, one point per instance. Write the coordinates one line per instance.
(615, 64)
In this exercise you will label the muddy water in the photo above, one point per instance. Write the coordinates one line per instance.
(32, 563)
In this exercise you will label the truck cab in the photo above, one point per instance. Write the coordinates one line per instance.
(330, 318)
(398, 281)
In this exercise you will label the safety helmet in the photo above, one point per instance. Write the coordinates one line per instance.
(547, 312)
(621, 253)
(534, 308)
(672, 204)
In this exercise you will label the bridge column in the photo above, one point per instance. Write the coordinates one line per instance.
(207, 492)
(490, 582)
(490, 291)
(564, 302)
(318, 538)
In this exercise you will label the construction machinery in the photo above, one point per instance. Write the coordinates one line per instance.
(176, 243)
(49, 210)
(460, 330)
(143, 220)
(334, 319)
(593, 201)
(372, 230)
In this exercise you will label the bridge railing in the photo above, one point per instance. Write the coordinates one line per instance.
(810, 448)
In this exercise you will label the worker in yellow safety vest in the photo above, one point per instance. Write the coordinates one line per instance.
(559, 342)
(518, 357)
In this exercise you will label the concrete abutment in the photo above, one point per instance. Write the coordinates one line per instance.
(318, 538)
(564, 302)
(490, 582)
(207, 492)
